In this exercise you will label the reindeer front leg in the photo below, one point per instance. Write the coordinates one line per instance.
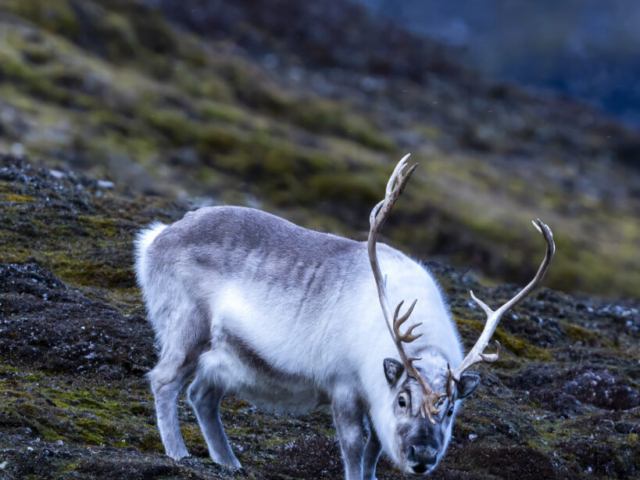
(348, 415)
(371, 455)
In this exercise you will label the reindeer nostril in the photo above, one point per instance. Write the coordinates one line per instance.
(412, 455)
(430, 456)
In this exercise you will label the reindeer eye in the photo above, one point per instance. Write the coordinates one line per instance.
(402, 402)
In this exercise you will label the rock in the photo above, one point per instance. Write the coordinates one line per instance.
(105, 184)
(602, 388)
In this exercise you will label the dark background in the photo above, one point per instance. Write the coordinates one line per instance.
(586, 49)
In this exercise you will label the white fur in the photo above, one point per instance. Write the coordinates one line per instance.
(144, 239)
(320, 342)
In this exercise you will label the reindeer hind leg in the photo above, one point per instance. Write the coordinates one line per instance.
(167, 381)
(205, 398)
(185, 334)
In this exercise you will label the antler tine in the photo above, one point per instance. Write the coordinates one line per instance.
(397, 176)
(476, 354)
(397, 179)
(379, 214)
(408, 336)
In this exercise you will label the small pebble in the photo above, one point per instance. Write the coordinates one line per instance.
(105, 184)
(17, 149)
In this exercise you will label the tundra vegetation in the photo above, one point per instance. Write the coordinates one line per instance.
(184, 101)
(75, 345)
(109, 89)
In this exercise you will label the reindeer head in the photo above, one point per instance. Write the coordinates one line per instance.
(421, 441)
(424, 403)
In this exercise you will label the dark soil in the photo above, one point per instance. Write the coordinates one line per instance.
(562, 403)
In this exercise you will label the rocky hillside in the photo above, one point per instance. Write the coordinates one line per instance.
(273, 105)
(562, 403)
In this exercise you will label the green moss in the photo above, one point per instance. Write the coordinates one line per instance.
(490, 231)
(118, 37)
(208, 88)
(38, 54)
(215, 111)
(430, 132)
(519, 347)
(28, 409)
(52, 15)
(322, 116)
(252, 89)
(99, 226)
(151, 442)
(97, 432)
(115, 122)
(30, 81)
(70, 467)
(80, 415)
(373, 139)
(213, 141)
(354, 189)
(159, 88)
(588, 337)
(8, 370)
(192, 435)
(92, 272)
(151, 30)
(172, 124)
(15, 198)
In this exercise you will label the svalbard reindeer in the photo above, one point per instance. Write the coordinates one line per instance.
(288, 318)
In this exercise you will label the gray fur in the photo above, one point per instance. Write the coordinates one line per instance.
(371, 454)
(287, 318)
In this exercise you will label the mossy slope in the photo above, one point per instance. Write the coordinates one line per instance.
(116, 89)
(563, 401)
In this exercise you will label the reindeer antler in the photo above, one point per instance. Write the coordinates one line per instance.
(430, 399)
(379, 214)
(476, 354)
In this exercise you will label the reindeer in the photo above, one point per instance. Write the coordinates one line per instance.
(251, 304)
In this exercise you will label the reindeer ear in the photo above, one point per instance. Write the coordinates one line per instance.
(393, 370)
(467, 385)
